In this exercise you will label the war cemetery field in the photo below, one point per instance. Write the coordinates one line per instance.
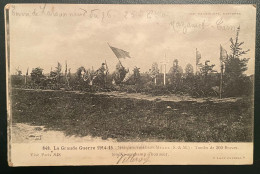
(186, 109)
(82, 114)
(201, 104)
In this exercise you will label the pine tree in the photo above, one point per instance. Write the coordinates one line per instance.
(235, 66)
(206, 69)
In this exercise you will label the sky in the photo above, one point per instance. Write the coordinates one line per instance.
(42, 35)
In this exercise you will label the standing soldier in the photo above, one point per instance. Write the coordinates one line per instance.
(102, 69)
(101, 73)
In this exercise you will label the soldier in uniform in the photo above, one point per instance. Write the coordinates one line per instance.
(102, 69)
(101, 74)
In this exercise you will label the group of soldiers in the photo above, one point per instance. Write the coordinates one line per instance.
(100, 76)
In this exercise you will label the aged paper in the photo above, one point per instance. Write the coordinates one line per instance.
(136, 84)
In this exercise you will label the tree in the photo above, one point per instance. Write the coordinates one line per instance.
(69, 74)
(18, 72)
(206, 69)
(137, 75)
(58, 71)
(37, 75)
(176, 72)
(56, 74)
(176, 69)
(58, 68)
(189, 69)
(53, 74)
(235, 65)
(154, 71)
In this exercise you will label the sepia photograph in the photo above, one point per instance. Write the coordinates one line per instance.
(91, 73)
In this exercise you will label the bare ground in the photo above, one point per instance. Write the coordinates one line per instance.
(25, 133)
(71, 116)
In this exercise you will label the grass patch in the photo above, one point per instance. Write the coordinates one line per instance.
(134, 120)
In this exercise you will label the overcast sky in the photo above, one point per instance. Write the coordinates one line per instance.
(80, 33)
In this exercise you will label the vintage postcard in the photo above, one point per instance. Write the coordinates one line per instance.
(103, 84)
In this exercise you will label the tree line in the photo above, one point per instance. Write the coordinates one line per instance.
(203, 81)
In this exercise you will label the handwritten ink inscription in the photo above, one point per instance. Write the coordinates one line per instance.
(137, 158)
(132, 158)
(179, 26)
(185, 27)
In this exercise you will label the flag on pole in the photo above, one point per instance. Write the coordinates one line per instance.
(198, 57)
(223, 54)
(120, 53)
